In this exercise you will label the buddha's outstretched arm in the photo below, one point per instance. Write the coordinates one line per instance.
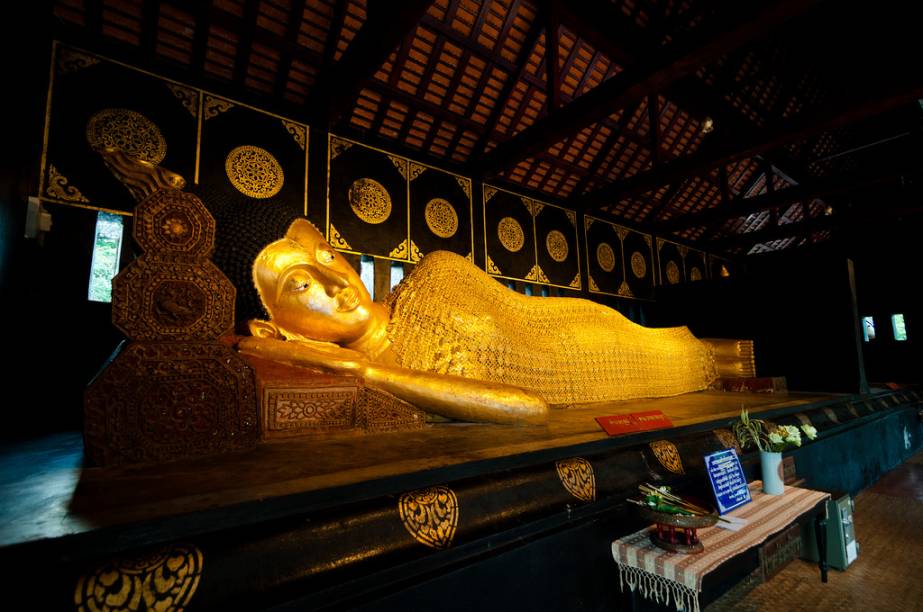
(454, 397)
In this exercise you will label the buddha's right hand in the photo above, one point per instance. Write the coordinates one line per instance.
(322, 355)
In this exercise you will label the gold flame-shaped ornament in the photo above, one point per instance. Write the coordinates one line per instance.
(578, 478)
(668, 456)
(430, 515)
(164, 579)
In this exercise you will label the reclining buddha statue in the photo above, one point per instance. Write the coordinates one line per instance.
(449, 338)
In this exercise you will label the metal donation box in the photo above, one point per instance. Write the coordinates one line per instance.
(842, 548)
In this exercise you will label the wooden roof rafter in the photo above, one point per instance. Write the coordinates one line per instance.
(386, 24)
(650, 76)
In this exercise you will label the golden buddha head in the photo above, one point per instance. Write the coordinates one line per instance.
(309, 290)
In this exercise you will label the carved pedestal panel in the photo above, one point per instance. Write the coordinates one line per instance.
(172, 300)
(163, 401)
(297, 402)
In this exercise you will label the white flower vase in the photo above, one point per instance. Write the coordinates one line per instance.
(771, 464)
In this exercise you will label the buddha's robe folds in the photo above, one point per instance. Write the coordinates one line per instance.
(450, 317)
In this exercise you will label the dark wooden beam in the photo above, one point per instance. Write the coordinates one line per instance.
(94, 17)
(666, 200)
(251, 10)
(765, 140)
(295, 18)
(736, 27)
(742, 207)
(150, 13)
(385, 25)
(653, 121)
(552, 76)
(525, 51)
(203, 21)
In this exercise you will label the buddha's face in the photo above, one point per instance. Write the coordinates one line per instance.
(309, 290)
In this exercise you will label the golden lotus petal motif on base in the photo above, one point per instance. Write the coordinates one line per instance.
(128, 131)
(605, 257)
(556, 244)
(638, 265)
(430, 515)
(254, 172)
(578, 478)
(695, 274)
(727, 439)
(164, 579)
(672, 272)
(441, 218)
(668, 456)
(370, 200)
(576, 282)
(511, 235)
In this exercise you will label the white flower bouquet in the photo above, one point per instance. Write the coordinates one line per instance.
(769, 438)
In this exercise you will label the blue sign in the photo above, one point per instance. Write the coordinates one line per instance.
(727, 480)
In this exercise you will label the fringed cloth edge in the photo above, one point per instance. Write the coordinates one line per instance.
(658, 589)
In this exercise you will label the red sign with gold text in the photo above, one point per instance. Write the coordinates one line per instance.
(635, 421)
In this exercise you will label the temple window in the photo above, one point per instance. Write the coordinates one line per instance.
(107, 248)
(367, 272)
(397, 273)
(868, 328)
(900, 330)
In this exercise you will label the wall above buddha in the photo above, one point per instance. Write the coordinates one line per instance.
(376, 203)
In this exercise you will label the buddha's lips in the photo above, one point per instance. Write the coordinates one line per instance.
(347, 300)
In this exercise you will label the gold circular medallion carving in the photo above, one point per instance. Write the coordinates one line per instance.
(638, 265)
(254, 172)
(370, 200)
(128, 131)
(441, 218)
(695, 274)
(605, 257)
(556, 244)
(510, 233)
(672, 272)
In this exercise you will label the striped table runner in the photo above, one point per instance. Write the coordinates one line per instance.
(662, 575)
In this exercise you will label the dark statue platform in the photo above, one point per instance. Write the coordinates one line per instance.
(453, 516)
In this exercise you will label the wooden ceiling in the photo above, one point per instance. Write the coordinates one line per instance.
(599, 105)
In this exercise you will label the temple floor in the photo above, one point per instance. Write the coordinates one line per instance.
(46, 493)
(885, 575)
